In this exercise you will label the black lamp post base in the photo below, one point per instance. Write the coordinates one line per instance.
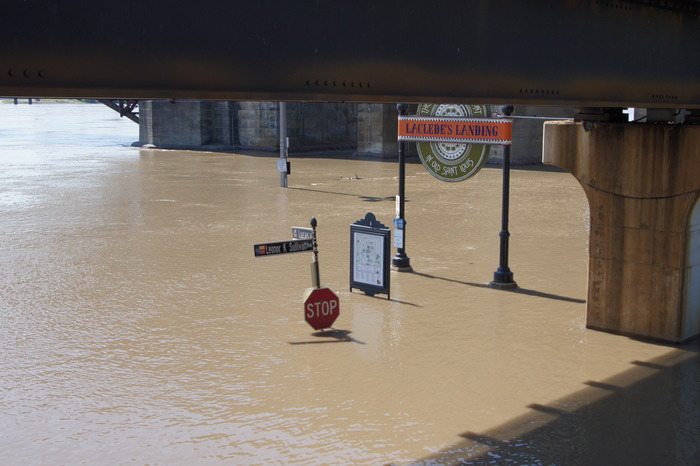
(503, 280)
(402, 263)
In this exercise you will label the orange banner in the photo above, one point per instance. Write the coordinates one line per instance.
(455, 130)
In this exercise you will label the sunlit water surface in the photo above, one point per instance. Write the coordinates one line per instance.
(136, 325)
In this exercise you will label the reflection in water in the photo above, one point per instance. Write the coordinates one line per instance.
(137, 326)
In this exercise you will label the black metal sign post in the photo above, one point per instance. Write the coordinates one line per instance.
(401, 261)
(315, 272)
(282, 163)
(503, 277)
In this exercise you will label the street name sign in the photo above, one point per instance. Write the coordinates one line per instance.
(302, 233)
(283, 247)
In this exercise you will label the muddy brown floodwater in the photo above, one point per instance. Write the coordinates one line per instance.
(137, 327)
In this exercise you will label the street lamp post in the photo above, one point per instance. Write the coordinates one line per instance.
(503, 277)
(401, 261)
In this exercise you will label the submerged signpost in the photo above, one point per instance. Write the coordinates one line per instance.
(451, 165)
(321, 304)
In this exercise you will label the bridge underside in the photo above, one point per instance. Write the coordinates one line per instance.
(580, 53)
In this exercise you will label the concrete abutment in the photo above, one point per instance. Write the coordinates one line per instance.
(643, 183)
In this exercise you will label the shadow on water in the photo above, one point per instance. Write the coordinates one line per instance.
(332, 335)
(397, 301)
(646, 415)
(525, 291)
(411, 159)
(359, 196)
(540, 294)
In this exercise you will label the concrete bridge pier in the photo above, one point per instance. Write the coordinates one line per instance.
(643, 184)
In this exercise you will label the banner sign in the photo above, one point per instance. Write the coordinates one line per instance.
(455, 130)
(454, 160)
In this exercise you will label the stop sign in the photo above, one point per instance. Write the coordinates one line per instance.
(321, 307)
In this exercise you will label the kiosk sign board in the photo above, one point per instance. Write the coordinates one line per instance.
(370, 256)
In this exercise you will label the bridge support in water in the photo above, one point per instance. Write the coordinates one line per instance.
(643, 184)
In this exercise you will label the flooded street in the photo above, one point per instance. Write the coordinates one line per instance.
(137, 327)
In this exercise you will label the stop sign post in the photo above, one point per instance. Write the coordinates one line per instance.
(321, 307)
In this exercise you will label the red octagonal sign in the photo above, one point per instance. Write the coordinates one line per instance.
(321, 307)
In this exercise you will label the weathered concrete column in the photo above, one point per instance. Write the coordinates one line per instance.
(377, 126)
(185, 124)
(643, 184)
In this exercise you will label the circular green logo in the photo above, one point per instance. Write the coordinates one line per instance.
(452, 161)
